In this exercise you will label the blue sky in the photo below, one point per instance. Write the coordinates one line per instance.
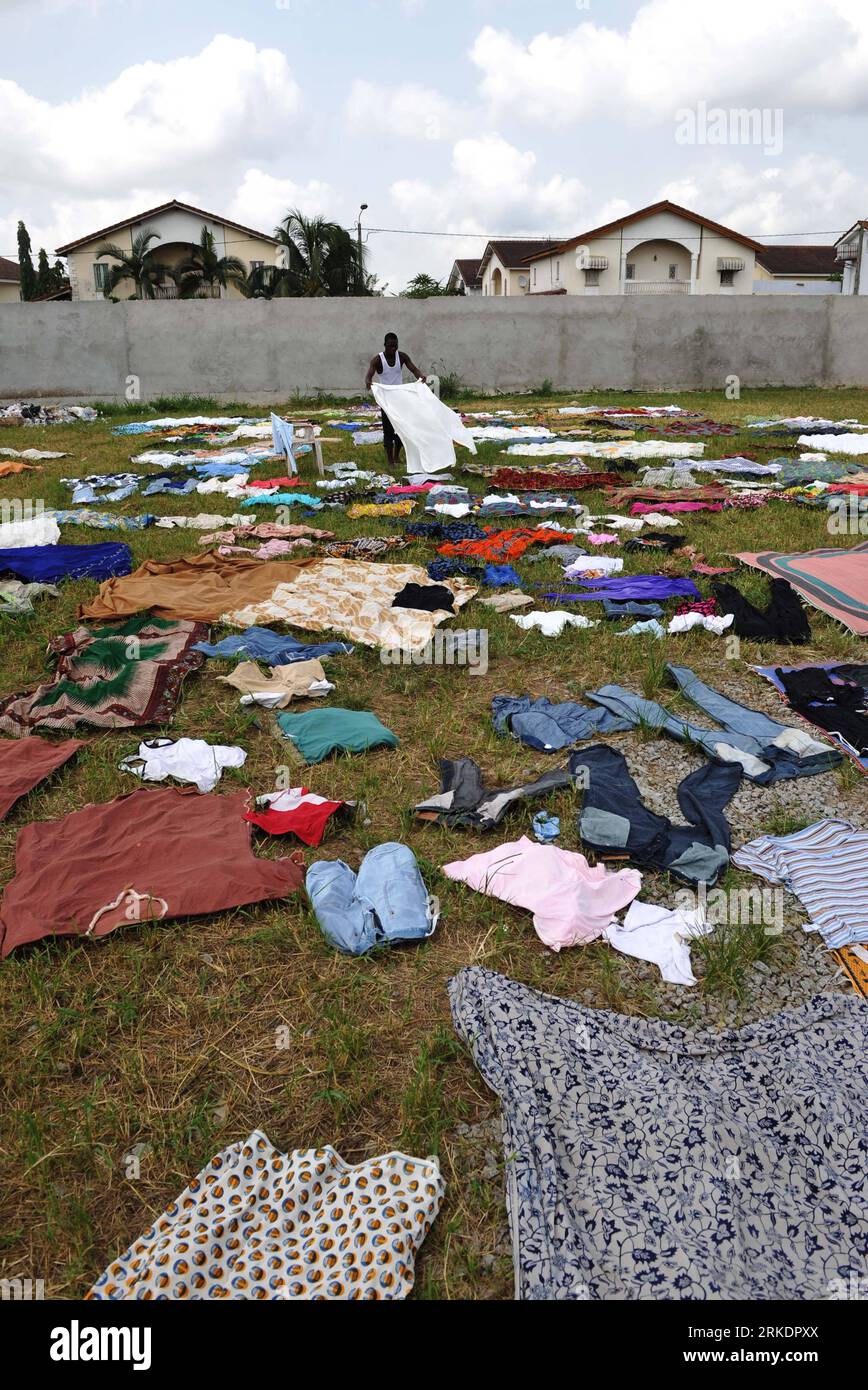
(470, 117)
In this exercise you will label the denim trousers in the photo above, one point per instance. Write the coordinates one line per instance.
(387, 900)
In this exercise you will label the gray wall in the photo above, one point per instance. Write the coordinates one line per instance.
(268, 351)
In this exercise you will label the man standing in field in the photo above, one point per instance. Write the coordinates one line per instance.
(388, 367)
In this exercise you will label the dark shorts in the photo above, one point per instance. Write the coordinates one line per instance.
(389, 435)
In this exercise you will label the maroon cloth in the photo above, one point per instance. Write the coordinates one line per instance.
(24, 762)
(144, 857)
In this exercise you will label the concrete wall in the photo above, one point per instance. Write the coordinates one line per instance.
(267, 351)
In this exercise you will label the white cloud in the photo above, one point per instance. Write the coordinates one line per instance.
(407, 111)
(492, 187)
(154, 122)
(812, 195)
(806, 55)
(262, 200)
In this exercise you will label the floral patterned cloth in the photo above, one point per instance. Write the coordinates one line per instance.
(648, 1161)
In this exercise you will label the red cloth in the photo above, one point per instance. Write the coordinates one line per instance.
(500, 546)
(143, 857)
(307, 818)
(538, 480)
(25, 762)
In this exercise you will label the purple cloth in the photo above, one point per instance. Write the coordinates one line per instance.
(633, 586)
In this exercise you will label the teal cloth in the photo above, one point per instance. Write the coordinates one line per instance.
(319, 732)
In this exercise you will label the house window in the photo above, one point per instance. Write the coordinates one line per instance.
(256, 265)
(727, 277)
(100, 276)
(673, 272)
(534, 274)
(630, 271)
(557, 270)
(592, 277)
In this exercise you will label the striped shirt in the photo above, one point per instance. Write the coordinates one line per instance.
(826, 866)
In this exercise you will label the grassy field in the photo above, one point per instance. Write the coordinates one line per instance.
(164, 1042)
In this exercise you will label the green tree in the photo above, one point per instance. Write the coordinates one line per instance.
(321, 258)
(423, 286)
(203, 271)
(138, 265)
(25, 264)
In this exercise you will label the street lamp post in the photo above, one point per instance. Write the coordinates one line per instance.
(360, 279)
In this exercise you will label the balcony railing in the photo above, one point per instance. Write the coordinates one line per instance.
(656, 286)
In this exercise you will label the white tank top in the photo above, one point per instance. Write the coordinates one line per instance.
(391, 376)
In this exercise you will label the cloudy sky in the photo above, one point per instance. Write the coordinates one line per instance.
(477, 117)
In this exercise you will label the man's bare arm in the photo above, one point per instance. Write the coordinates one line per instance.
(411, 365)
(373, 368)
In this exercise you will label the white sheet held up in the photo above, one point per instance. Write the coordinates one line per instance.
(428, 429)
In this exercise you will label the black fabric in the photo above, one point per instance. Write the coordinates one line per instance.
(465, 800)
(389, 435)
(697, 852)
(784, 620)
(656, 540)
(431, 597)
(839, 709)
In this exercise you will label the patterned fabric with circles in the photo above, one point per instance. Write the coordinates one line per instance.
(257, 1223)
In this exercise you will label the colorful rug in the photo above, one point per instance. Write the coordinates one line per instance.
(834, 580)
(109, 677)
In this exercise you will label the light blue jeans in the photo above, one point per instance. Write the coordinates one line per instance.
(745, 729)
(385, 902)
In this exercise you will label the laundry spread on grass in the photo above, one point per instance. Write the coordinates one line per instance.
(594, 1103)
(589, 827)
(303, 1225)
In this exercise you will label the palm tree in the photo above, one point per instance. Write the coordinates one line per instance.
(321, 257)
(138, 265)
(203, 269)
(265, 282)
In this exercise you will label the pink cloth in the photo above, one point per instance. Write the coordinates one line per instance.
(601, 537)
(570, 901)
(410, 487)
(640, 508)
(274, 482)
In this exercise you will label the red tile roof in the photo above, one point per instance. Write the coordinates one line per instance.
(10, 270)
(664, 206)
(152, 212)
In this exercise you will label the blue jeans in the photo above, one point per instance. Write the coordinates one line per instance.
(746, 735)
(385, 902)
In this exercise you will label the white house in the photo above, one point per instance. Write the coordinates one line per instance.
(851, 251)
(504, 270)
(179, 226)
(661, 249)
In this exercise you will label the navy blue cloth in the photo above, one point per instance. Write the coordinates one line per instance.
(446, 569)
(614, 819)
(45, 564)
(274, 648)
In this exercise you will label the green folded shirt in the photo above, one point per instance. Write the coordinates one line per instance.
(319, 732)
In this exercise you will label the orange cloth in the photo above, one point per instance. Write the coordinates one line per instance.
(6, 468)
(198, 587)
